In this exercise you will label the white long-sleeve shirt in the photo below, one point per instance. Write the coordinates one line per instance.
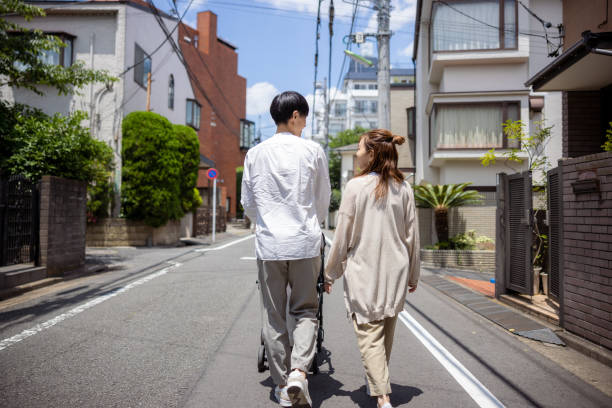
(286, 191)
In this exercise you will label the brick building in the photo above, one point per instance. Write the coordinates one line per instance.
(219, 110)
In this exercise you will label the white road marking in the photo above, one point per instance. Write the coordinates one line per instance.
(226, 245)
(73, 312)
(479, 393)
(248, 258)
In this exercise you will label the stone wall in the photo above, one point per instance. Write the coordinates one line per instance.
(587, 248)
(122, 232)
(63, 220)
(483, 261)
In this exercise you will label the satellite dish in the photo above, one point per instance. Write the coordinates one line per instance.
(359, 59)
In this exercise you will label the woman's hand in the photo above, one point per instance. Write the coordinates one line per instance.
(327, 287)
(412, 288)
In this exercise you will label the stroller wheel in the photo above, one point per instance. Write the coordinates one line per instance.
(261, 359)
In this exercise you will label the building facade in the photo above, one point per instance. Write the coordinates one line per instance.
(472, 61)
(218, 106)
(107, 35)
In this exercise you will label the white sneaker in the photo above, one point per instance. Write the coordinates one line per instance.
(282, 397)
(386, 405)
(297, 388)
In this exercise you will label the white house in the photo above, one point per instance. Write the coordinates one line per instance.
(356, 103)
(473, 58)
(123, 37)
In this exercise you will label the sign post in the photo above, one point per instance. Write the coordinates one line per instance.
(212, 175)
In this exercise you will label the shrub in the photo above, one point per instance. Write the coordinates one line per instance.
(189, 149)
(334, 202)
(152, 167)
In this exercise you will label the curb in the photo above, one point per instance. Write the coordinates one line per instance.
(586, 347)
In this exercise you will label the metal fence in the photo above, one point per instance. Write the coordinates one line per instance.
(19, 220)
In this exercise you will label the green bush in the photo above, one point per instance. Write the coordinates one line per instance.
(334, 203)
(467, 241)
(152, 169)
(189, 149)
(35, 144)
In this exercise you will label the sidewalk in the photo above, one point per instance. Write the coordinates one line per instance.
(103, 259)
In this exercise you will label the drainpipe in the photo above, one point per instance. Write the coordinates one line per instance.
(92, 38)
(95, 120)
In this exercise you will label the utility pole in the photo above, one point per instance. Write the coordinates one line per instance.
(326, 116)
(383, 75)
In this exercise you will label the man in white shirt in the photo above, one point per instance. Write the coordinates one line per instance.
(286, 191)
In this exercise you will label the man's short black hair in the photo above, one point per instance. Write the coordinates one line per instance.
(283, 105)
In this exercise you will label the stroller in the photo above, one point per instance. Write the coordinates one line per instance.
(314, 368)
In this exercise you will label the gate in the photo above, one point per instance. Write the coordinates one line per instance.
(19, 221)
(555, 233)
(516, 227)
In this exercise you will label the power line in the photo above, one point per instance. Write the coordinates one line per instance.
(348, 47)
(188, 69)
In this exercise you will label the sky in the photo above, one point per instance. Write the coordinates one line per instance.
(276, 42)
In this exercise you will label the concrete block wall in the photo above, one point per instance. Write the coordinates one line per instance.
(460, 220)
(63, 220)
(587, 248)
(483, 261)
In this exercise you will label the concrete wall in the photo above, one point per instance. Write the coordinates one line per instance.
(402, 98)
(587, 248)
(63, 221)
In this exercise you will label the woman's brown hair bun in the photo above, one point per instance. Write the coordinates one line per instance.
(398, 140)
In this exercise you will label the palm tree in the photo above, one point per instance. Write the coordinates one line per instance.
(441, 198)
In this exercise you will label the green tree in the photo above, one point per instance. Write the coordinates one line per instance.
(189, 149)
(152, 169)
(20, 51)
(441, 198)
(608, 145)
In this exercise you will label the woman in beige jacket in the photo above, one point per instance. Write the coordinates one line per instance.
(376, 247)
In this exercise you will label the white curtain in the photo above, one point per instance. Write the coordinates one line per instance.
(453, 30)
(471, 126)
(509, 24)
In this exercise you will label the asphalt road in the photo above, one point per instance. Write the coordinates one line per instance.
(180, 328)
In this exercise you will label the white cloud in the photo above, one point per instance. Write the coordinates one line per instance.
(407, 52)
(367, 49)
(403, 14)
(259, 98)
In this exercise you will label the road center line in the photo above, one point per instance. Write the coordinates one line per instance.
(479, 393)
(226, 245)
(73, 312)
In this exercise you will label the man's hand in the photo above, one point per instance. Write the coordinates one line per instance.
(412, 288)
(327, 287)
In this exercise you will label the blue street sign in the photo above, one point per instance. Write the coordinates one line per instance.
(211, 174)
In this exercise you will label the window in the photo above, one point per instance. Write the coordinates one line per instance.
(461, 25)
(63, 56)
(142, 66)
(247, 133)
(335, 128)
(193, 113)
(373, 86)
(361, 106)
(171, 92)
(411, 123)
(472, 125)
(373, 106)
(339, 108)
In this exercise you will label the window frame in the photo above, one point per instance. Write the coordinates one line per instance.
(64, 37)
(244, 125)
(501, 30)
(139, 65)
(194, 113)
(411, 129)
(504, 105)
(171, 92)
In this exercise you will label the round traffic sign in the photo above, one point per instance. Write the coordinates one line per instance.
(211, 174)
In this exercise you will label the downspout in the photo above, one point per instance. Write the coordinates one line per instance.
(92, 38)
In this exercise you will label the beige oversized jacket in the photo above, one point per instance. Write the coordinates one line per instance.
(376, 246)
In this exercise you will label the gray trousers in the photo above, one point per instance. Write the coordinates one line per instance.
(301, 276)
